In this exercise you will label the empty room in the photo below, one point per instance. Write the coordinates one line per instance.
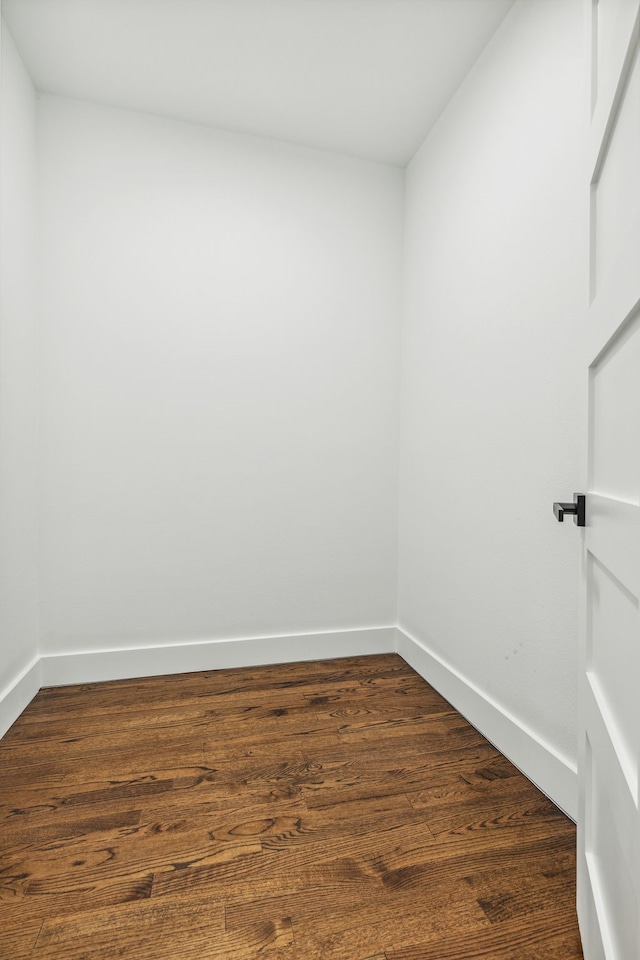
(319, 479)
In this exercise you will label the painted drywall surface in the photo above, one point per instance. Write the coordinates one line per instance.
(494, 294)
(220, 383)
(18, 367)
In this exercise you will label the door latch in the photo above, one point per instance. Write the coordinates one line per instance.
(577, 509)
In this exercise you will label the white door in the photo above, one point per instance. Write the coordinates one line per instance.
(609, 821)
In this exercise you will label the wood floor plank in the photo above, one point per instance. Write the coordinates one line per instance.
(346, 936)
(506, 802)
(425, 861)
(501, 900)
(113, 866)
(335, 810)
(23, 907)
(18, 837)
(335, 867)
(88, 746)
(18, 936)
(558, 939)
(350, 776)
(159, 692)
(144, 931)
(321, 896)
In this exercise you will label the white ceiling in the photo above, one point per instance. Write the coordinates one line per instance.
(363, 77)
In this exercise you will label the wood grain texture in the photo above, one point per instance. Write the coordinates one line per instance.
(337, 810)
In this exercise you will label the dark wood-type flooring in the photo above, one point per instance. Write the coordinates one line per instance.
(338, 810)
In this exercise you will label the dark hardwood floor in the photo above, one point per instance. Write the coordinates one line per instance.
(339, 810)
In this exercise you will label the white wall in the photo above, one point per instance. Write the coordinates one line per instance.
(494, 281)
(220, 383)
(18, 372)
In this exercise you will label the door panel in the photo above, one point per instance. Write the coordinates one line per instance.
(611, 871)
(612, 619)
(614, 400)
(616, 189)
(611, 23)
(609, 818)
(612, 537)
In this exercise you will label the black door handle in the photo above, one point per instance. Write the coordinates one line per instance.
(577, 509)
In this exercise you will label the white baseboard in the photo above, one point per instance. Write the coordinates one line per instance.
(552, 773)
(92, 666)
(547, 769)
(19, 694)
